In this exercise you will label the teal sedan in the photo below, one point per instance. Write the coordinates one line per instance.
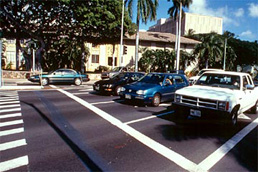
(154, 88)
(60, 76)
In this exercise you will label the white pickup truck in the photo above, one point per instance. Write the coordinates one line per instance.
(217, 94)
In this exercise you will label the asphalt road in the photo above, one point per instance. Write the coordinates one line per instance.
(67, 128)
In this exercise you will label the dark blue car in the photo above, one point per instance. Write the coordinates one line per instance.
(154, 88)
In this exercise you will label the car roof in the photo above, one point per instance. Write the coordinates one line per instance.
(227, 73)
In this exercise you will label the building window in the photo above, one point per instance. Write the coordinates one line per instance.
(94, 58)
(10, 57)
(110, 60)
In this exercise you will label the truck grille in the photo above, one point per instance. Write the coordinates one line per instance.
(199, 102)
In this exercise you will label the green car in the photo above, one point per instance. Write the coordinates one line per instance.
(60, 76)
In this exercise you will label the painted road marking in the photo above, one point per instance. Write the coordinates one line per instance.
(9, 102)
(150, 117)
(90, 89)
(12, 131)
(81, 93)
(242, 116)
(212, 159)
(10, 115)
(10, 110)
(183, 162)
(13, 144)
(9, 123)
(159, 148)
(97, 103)
(14, 163)
(10, 106)
(10, 99)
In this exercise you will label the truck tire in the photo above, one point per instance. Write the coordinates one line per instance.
(233, 117)
(254, 108)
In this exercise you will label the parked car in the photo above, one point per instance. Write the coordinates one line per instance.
(154, 88)
(217, 95)
(114, 84)
(193, 79)
(60, 76)
(115, 71)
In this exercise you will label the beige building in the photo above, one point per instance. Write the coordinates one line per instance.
(196, 22)
(103, 54)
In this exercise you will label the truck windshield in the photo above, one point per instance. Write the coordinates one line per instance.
(220, 80)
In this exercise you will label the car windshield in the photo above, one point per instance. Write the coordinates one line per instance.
(116, 69)
(219, 80)
(120, 76)
(152, 78)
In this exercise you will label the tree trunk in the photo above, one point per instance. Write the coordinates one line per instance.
(17, 53)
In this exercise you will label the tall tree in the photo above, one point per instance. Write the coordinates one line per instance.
(176, 12)
(48, 21)
(210, 50)
(146, 9)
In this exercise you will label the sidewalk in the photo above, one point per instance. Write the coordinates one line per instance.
(24, 84)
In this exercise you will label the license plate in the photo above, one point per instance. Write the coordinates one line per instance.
(97, 87)
(128, 96)
(195, 113)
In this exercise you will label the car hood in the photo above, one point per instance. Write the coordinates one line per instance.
(207, 92)
(108, 81)
(141, 86)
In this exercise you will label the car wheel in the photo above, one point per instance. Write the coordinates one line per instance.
(117, 90)
(156, 100)
(44, 81)
(233, 116)
(77, 81)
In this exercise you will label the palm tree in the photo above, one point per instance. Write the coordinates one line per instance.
(210, 50)
(146, 9)
(174, 11)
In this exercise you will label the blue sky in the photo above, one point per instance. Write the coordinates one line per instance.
(239, 16)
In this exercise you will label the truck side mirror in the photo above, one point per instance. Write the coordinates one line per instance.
(249, 87)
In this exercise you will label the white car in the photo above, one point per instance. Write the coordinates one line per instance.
(220, 95)
(193, 79)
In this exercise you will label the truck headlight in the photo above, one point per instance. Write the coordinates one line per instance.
(140, 92)
(177, 98)
(223, 106)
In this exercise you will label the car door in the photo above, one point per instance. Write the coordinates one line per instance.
(68, 76)
(246, 97)
(168, 88)
(56, 76)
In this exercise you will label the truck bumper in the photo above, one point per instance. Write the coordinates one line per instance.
(192, 112)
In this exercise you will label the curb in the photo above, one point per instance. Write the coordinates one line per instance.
(20, 87)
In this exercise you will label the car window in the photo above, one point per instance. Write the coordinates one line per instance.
(69, 72)
(58, 72)
(153, 78)
(179, 79)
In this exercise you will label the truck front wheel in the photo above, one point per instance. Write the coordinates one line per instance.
(233, 116)
(254, 108)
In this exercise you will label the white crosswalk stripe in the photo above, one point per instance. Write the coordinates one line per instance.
(10, 111)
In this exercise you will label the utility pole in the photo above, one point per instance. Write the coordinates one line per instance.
(179, 36)
(225, 54)
(122, 34)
